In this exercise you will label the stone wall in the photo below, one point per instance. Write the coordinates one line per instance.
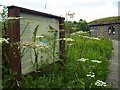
(105, 31)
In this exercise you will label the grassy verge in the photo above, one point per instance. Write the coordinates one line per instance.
(85, 66)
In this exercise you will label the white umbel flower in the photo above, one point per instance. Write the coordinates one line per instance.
(80, 32)
(83, 59)
(39, 45)
(100, 83)
(96, 61)
(93, 38)
(91, 74)
(66, 39)
(92, 30)
(3, 40)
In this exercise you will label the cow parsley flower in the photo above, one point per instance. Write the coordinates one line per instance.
(100, 83)
(3, 40)
(83, 59)
(36, 44)
(73, 33)
(68, 39)
(93, 38)
(96, 61)
(91, 74)
(80, 32)
(92, 30)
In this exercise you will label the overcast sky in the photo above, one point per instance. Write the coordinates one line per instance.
(84, 9)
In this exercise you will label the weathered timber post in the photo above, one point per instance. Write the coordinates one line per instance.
(14, 37)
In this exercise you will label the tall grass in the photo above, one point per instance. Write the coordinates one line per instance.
(85, 65)
(76, 73)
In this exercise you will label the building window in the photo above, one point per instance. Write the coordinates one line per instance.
(111, 30)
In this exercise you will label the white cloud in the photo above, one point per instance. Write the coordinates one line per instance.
(85, 9)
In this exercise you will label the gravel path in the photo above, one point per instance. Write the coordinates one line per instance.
(113, 76)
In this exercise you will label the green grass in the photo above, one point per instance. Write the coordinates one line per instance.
(107, 19)
(73, 73)
(93, 50)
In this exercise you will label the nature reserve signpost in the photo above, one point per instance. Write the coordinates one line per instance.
(25, 27)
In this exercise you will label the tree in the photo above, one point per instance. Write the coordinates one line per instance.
(3, 16)
(75, 26)
(83, 25)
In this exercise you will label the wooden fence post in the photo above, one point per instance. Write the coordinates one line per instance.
(14, 37)
(62, 35)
